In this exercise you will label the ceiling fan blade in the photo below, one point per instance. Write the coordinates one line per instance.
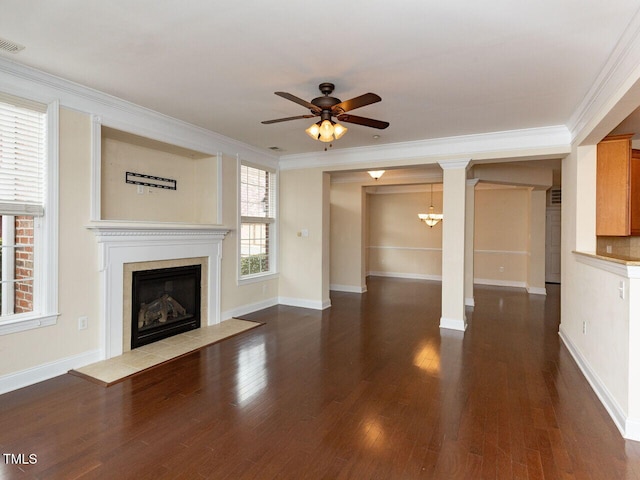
(367, 122)
(299, 101)
(277, 120)
(357, 102)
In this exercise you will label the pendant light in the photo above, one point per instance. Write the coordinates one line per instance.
(431, 219)
(376, 174)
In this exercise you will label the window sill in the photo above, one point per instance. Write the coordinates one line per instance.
(27, 322)
(262, 277)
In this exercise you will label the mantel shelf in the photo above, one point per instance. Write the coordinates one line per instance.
(115, 229)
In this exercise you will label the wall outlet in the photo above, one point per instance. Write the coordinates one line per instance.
(584, 327)
(501, 269)
(609, 249)
(82, 323)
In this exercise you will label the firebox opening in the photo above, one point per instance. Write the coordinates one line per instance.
(165, 302)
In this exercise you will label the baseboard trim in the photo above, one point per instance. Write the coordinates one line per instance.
(611, 406)
(304, 303)
(347, 288)
(413, 276)
(632, 429)
(27, 377)
(438, 278)
(499, 283)
(246, 309)
(453, 324)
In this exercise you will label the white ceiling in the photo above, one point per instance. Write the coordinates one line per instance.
(442, 68)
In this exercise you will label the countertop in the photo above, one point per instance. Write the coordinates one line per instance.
(621, 259)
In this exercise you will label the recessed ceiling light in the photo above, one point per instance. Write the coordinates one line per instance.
(376, 137)
(11, 47)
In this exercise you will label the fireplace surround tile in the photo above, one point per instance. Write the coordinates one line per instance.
(128, 270)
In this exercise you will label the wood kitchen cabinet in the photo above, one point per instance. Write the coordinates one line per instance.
(617, 187)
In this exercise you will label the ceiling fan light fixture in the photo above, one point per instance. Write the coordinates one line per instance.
(327, 107)
(326, 131)
(339, 130)
(314, 131)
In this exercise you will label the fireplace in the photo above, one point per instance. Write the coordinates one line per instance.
(165, 302)
(129, 247)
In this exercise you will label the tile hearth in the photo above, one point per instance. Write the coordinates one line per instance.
(113, 370)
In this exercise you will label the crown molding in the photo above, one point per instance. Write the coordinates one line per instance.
(455, 164)
(29, 82)
(510, 143)
(618, 74)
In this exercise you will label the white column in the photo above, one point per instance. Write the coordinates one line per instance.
(469, 234)
(453, 244)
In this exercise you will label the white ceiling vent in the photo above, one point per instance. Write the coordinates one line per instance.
(11, 47)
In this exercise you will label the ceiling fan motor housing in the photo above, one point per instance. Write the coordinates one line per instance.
(326, 102)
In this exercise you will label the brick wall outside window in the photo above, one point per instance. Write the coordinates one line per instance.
(24, 264)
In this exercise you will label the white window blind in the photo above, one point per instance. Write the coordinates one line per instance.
(22, 156)
(257, 199)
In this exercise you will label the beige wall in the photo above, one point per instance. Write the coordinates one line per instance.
(399, 243)
(501, 235)
(193, 201)
(302, 272)
(536, 243)
(237, 299)
(78, 258)
(347, 238)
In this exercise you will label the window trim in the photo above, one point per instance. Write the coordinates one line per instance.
(45, 283)
(273, 234)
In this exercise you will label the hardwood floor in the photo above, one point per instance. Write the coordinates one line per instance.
(370, 388)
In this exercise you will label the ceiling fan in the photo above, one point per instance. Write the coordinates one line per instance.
(326, 107)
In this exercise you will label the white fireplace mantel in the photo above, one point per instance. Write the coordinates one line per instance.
(122, 243)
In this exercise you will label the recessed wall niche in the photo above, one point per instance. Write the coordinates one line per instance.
(194, 200)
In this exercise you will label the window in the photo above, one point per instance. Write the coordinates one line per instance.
(257, 221)
(27, 214)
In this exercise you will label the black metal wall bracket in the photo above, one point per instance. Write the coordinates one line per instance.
(150, 181)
